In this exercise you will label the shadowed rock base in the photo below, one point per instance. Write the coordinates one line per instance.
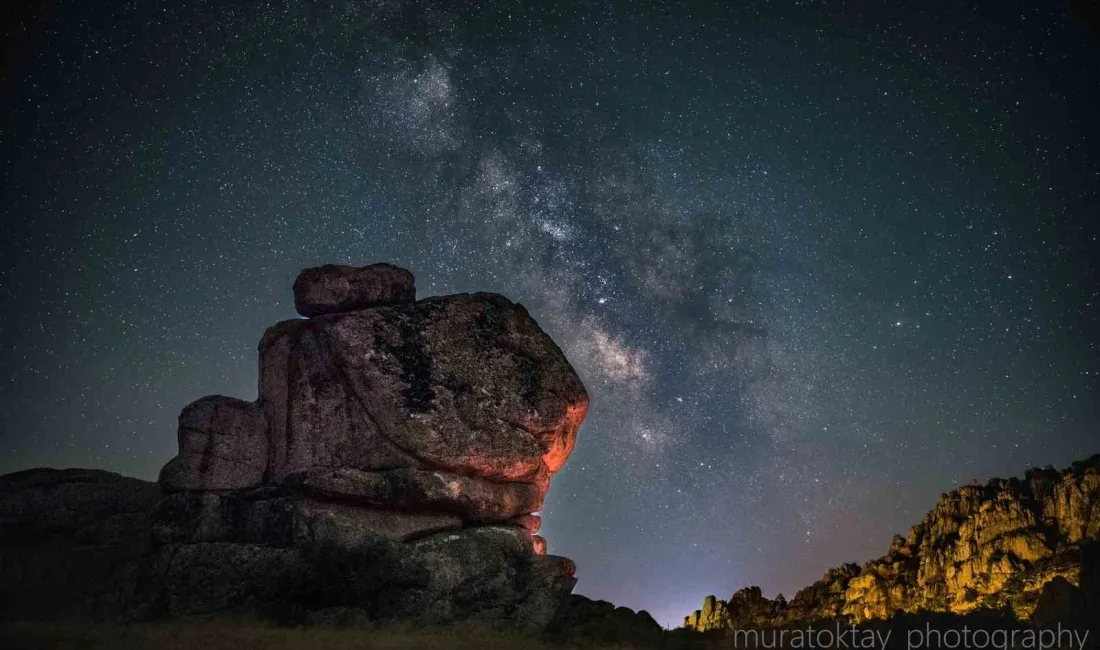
(78, 544)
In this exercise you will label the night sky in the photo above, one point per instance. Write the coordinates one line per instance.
(817, 262)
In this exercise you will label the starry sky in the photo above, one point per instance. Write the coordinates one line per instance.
(817, 262)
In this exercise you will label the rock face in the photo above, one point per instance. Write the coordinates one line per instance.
(1014, 543)
(391, 468)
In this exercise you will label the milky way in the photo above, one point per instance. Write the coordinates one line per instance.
(816, 262)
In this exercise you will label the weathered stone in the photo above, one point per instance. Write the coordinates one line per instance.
(1073, 504)
(222, 446)
(824, 598)
(331, 288)
(483, 573)
(409, 489)
(465, 383)
(191, 517)
(318, 522)
(530, 523)
(282, 520)
(478, 571)
(314, 418)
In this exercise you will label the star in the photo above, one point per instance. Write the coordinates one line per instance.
(728, 220)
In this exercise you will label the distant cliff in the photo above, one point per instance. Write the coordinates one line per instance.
(994, 546)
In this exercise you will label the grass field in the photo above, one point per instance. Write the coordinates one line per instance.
(223, 635)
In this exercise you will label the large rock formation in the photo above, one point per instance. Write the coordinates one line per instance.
(1014, 543)
(392, 464)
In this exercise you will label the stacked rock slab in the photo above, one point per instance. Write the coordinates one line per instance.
(1011, 544)
(393, 464)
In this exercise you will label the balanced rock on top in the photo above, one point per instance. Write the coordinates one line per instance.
(332, 288)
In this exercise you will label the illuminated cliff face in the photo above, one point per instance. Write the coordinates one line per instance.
(994, 545)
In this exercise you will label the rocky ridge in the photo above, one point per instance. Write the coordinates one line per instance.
(1010, 544)
(392, 467)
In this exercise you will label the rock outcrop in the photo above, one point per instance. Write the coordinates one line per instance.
(581, 621)
(1014, 544)
(391, 468)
